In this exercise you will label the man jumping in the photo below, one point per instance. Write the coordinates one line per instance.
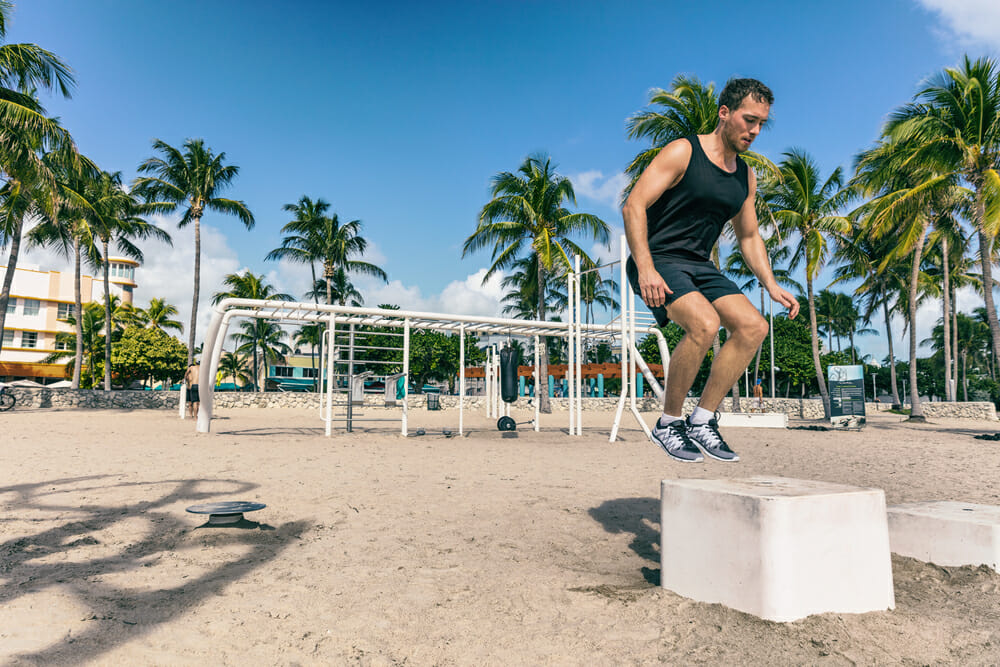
(673, 219)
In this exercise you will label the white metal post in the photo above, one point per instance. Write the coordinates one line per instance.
(771, 312)
(570, 393)
(578, 375)
(624, 340)
(537, 385)
(406, 370)
(461, 377)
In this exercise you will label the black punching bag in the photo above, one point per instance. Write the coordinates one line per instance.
(508, 374)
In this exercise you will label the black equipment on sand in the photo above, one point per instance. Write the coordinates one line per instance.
(508, 386)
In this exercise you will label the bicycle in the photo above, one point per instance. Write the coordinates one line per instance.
(7, 399)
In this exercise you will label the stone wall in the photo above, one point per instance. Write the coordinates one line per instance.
(132, 400)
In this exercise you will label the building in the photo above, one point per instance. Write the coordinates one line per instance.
(40, 302)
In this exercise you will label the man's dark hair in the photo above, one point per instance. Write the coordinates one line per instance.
(736, 91)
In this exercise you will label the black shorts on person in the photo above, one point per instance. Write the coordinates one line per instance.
(682, 277)
(192, 392)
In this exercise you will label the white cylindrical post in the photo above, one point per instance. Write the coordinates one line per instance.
(183, 398)
(623, 285)
(496, 381)
(578, 374)
(461, 377)
(331, 371)
(570, 393)
(537, 385)
(406, 370)
(631, 343)
(772, 348)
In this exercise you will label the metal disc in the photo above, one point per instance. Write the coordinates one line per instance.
(506, 424)
(228, 507)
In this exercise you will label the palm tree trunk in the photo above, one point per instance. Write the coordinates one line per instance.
(107, 320)
(954, 341)
(78, 311)
(815, 346)
(965, 378)
(8, 278)
(986, 264)
(949, 394)
(197, 286)
(896, 405)
(916, 411)
(542, 391)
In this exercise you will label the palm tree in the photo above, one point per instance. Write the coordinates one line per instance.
(864, 257)
(808, 207)
(116, 222)
(338, 289)
(521, 297)
(247, 285)
(311, 335)
(526, 214)
(67, 230)
(265, 336)
(313, 237)
(234, 366)
(29, 184)
(193, 178)
(689, 107)
(157, 316)
(908, 198)
(953, 127)
(92, 325)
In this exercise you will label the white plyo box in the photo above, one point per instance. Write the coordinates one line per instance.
(778, 548)
(946, 533)
(754, 419)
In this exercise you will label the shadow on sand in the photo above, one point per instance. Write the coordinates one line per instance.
(121, 615)
(641, 518)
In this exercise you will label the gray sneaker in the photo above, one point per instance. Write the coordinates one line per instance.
(673, 439)
(708, 439)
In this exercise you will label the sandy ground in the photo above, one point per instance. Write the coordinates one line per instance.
(490, 549)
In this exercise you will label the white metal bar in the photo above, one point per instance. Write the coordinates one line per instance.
(579, 352)
(631, 343)
(406, 372)
(570, 366)
(461, 378)
(624, 341)
(537, 385)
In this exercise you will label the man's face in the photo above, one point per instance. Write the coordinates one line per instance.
(741, 127)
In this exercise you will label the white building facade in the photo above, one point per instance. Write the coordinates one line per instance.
(40, 301)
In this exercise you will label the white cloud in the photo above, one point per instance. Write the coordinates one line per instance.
(594, 185)
(468, 296)
(969, 22)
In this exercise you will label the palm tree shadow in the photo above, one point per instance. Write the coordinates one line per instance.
(27, 565)
(641, 518)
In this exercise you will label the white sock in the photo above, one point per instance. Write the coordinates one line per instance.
(666, 419)
(701, 415)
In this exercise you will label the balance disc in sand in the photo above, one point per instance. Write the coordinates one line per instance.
(226, 512)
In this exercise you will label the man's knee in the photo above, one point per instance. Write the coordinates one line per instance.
(754, 329)
(703, 329)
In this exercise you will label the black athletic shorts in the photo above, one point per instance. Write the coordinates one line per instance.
(192, 393)
(683, 276)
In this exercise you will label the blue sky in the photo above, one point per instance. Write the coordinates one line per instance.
(399, 113)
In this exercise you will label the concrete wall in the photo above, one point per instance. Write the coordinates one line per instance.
(94, 398)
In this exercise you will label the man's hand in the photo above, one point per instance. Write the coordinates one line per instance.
(654, 288)
(785, 298)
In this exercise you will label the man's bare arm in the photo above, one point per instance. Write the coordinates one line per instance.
(663, 173)
(755, 254)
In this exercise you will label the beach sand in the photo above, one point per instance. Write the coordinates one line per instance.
(489, 549)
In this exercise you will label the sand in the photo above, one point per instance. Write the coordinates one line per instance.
(490, 549)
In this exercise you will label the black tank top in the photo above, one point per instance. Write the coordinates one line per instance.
(686, 221)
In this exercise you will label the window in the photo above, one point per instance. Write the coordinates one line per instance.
(308, 372)
(61, 345)
(8, 337)
(29, 339)
(31, 306)
(65, 311)
(283, 371)
(11, 306)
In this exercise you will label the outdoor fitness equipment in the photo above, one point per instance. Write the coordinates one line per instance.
(508, 386)
(225, 513)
